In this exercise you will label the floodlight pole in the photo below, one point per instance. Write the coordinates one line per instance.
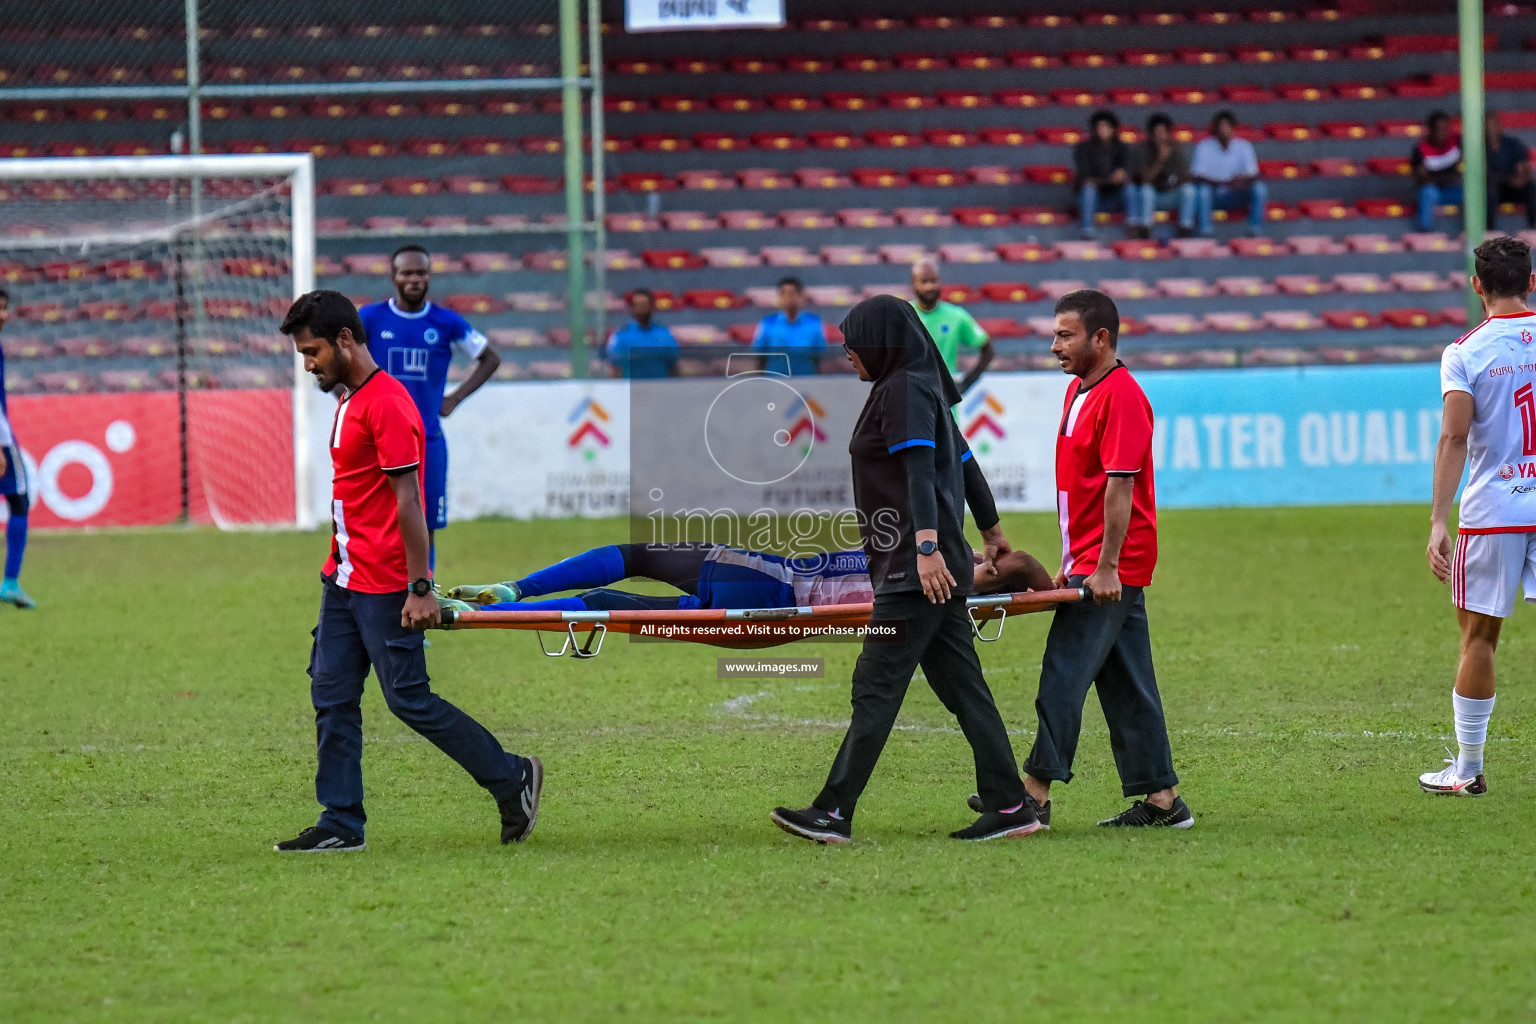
(570, 71)
(1474, 148)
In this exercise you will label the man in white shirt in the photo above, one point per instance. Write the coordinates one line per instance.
(1225, 171)
(1488, 380)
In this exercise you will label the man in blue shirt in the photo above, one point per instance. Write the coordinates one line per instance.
(642, 350)
(413, 340)
(1509, 173)
(791, 332)
(14, 487)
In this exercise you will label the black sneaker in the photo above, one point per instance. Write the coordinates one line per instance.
(813, 823)
(1000, 825)
(1143, 813)
(521, 813)
(321, 840)
(1043, 813)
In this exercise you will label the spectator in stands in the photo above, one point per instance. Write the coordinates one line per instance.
(951, 327)
(791, 332)
(642, 349)
(1509, 173)
(1436, 161)
(1162, 174)
(1102, 163)
(1225, 170)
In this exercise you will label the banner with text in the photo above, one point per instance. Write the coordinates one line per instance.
(692, 15)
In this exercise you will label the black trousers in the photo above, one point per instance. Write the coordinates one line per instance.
(1498, 192)
(1108, 646)
(938, 637)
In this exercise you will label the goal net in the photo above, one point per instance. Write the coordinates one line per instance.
(147, 378)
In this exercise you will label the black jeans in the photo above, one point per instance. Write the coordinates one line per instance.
(938, 637)
(1110, 646)
(360, 630)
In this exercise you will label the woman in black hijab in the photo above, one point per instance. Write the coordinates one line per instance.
(912, 477)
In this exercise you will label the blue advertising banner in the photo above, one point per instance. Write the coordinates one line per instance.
(1312, 435)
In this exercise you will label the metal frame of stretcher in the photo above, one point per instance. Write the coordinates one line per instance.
(769, 627)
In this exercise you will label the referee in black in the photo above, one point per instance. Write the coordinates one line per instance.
(912, 478)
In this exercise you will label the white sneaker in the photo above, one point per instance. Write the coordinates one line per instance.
(1450, 782)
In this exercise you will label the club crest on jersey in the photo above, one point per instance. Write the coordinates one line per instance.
(1506, 472)
(430, 335)
(1525, 337)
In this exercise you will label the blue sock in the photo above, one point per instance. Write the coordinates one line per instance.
(596, 568)
(15, 544)
(557, 604)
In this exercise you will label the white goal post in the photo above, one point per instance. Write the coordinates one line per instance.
(288, 193)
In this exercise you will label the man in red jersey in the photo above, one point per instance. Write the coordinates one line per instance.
(1104, 495)
(378, 593)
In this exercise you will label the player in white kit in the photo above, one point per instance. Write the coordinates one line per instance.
(1488, 381)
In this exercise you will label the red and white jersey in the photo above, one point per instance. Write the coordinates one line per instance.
(377, 432)
(1106, 431)
(1495, 363)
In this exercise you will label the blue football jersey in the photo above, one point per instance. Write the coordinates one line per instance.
(416, 348)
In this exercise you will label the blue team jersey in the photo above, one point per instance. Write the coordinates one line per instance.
(643, 353)
(800, 339)
(416, 348)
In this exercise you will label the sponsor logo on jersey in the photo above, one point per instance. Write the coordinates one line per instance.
(387, 335)
(1506, 472)
(408, 363)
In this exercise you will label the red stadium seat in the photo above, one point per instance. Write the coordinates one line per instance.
(903, 253)
(1390, 166)
(1244, 285)
(1146, 58)
(807, 220)
(730, 257)
(1258, 247)
(806, 65)
(779, 141)
(1337, 167)
(864, 218)
(688, 220)
(367, 263)
(1400, 128)
(470, 185)
(1326, 209)
(1125, 288)
(922, 217)
(1315, 245)
(1372, 243)
(625, 104)
(848, 101)
(1412, 317)
(1006, 136)
(1361, 284)
(788, 256)
(622, 259)
(630, 222)
(693, 66)
(1247, 94)
(535, 302)
(1184, 288)
(644, 182)
(708, 181)
(954, 138)
(475, 304)
(1139, 249)
(1002, 327)
(1061, 135)
(1252, 54)
(671, 259)
(1018, 98)
(88, 348)
(907, 100)
(1302, 284)
(1084, 250)
(878, 177)
(863, 62)
(1011, 292)
(490, 262)
(981, 217)
(1282, 169)
(935, 177)
(1375, 208)
(1418, 281)
(736, 102)
(407, 186)
(712, 298)
(793, 101)
(1174, 323)
(992, 174)
(1190, 94)
(1201, 55)
(886, 138)
(653, 142)
(966, 252)
(1025, 252)
(1234, 322)
(847, 255)
(821, 177)
(1432, 241)
(835, 140)
(1040, 215)
(1133, 97)
(1048, 174)
(764, 179)
(751, 65)
(746, 220)
(722, 142)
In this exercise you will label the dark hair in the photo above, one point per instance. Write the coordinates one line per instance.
(5, 295)
(324, 313)
(1504, 267)
(1435, 117)
(1097, 311)
(798, 284)
(1223, 115)
(641, 291)
(1159, 119)
(409, 247)
(1104, 115)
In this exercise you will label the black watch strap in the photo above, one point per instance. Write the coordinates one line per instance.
(421, 587)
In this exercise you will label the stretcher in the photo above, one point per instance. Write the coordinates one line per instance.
(740, 629)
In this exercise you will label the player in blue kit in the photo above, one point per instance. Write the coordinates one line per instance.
(14, 487)
(413, 340)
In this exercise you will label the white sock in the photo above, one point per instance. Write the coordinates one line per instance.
(1471, 732)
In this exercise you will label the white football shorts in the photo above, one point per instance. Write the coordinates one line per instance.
(1487, 569)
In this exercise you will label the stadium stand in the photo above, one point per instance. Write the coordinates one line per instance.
(846, 148)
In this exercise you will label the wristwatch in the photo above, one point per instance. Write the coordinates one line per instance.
(421, 587)
(927, 547)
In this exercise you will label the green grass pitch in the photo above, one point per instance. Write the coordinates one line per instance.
(157, 738)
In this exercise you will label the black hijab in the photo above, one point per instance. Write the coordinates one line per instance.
(897, 350)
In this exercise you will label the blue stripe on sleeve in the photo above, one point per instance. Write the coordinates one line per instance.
(916, 442)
